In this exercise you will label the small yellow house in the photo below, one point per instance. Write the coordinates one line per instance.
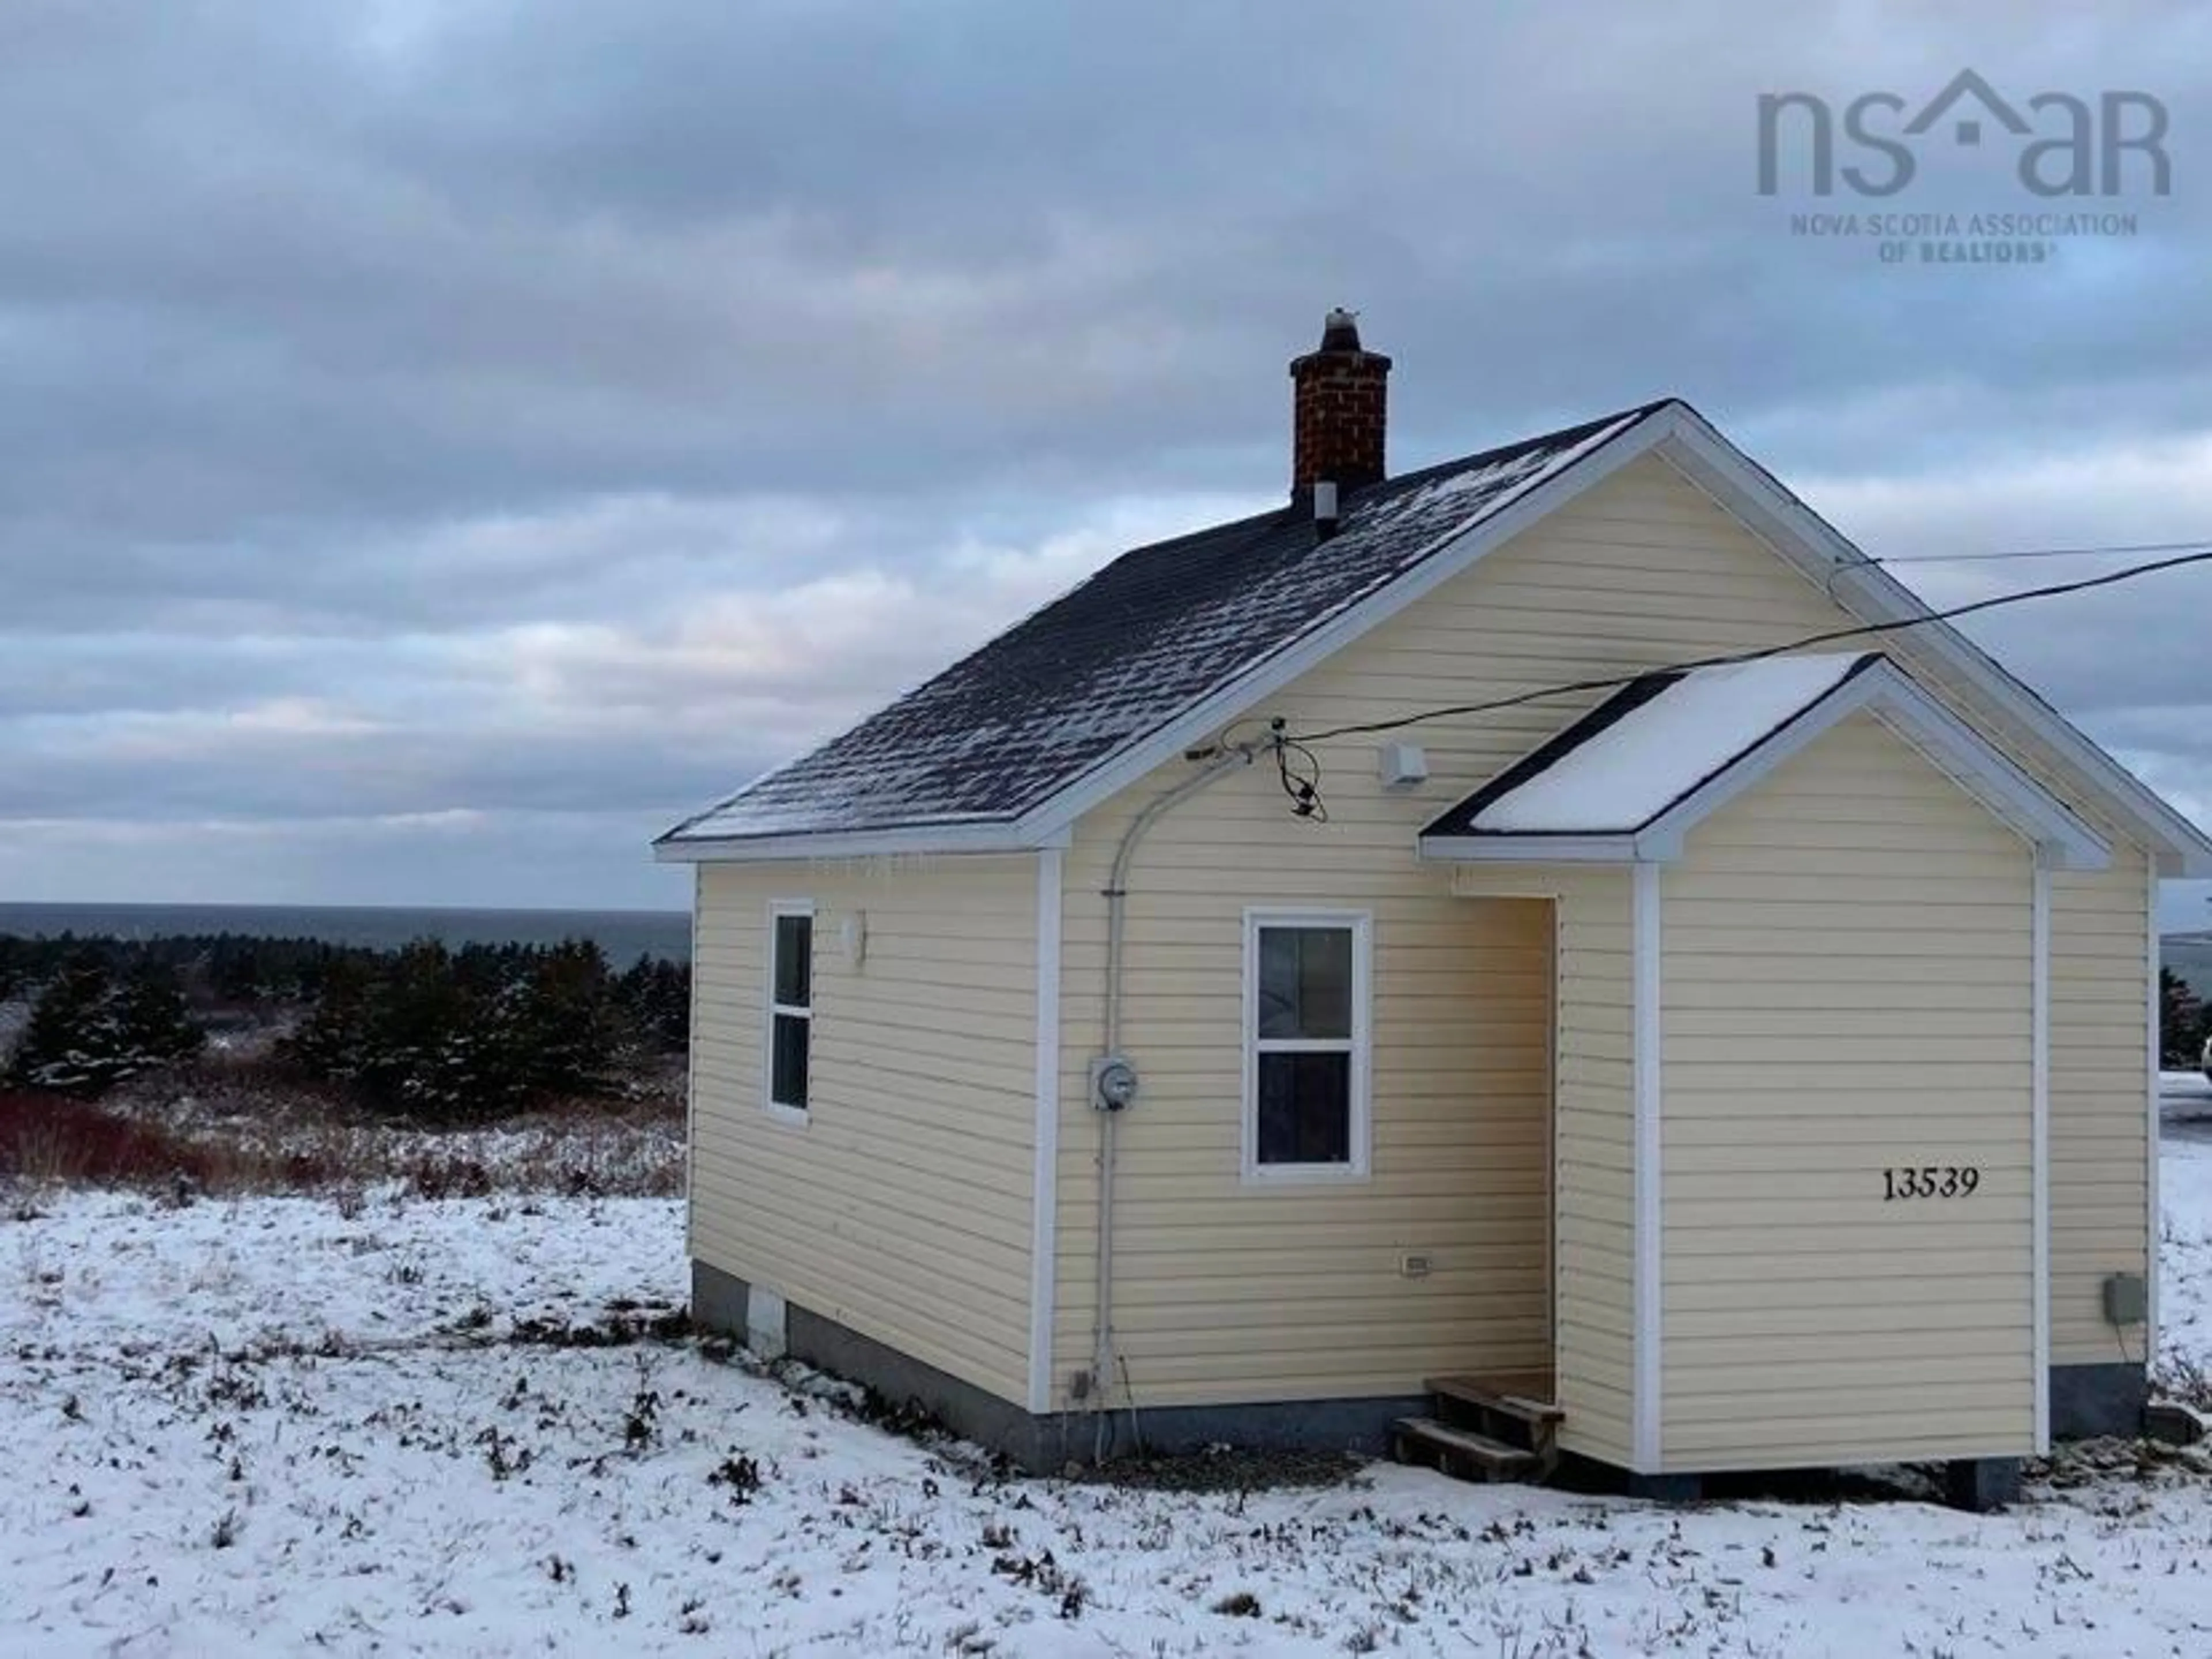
(1562, 925)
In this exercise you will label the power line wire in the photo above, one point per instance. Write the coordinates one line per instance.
(1863, 631)
(2027, 553)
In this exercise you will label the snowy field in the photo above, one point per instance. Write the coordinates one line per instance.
(273, 1426)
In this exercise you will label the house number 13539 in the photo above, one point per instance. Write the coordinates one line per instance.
(1929, 1181)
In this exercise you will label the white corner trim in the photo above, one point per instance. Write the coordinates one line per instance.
(1650, 1279)
(1044, 1174)
(691, 1074)
(2039, 1145)
(1251, 1171)
(2153, 1219)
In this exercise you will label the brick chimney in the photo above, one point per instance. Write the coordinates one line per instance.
(1338, 403)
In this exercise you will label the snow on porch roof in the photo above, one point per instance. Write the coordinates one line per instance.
(1652, 743)
(1631, 777)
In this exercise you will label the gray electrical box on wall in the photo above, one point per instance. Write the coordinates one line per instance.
(2127, 1299)
(1113, 1082)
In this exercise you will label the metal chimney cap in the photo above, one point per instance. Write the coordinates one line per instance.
(1340, 330)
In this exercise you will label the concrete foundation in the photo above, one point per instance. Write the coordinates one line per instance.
(1666, 1488)
(2085, 1399)
(1048, 1441)
(2097, 1399)
(1981, 1484)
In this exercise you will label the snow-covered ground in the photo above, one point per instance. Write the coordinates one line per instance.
(270, 1427)
(2184, 1291)
(2184, 1096)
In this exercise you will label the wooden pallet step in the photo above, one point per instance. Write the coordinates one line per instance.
(1482, 1395)
(1459, 1451)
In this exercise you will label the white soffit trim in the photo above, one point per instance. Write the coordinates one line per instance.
(1044, 1174)
(857, 844)
(1764, 505)
(1529, 849)
(1650, 1282)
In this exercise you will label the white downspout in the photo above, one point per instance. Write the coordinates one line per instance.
(1116, 894)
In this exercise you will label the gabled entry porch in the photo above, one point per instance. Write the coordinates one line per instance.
(1801, 1069)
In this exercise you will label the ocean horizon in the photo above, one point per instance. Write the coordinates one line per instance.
(623, 935)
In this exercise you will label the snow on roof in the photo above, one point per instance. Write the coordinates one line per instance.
(1125, 653)
(1630, 758)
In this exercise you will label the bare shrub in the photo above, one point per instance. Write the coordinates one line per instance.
(2178, 1376)
(220, 1128)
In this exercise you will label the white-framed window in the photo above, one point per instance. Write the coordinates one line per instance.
(1306, 1045)
(788, 1041)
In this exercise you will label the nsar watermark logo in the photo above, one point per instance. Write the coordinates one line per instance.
(2058, 149)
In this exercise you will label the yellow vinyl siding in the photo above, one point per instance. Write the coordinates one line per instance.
(902, 1207)
(1807, 1321)
(1639, 572)
(1652, 544)
(1593, 1304)
(1642, 571)
(1225, 1292)
(2101, 1085)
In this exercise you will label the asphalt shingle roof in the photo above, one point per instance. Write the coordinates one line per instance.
(1120, 656)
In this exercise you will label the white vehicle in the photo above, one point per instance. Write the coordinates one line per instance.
(2205, 1060)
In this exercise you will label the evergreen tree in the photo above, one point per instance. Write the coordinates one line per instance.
(424, 1032)
(68, 1041)
(2182, 1021)
(656, 996)
(467, 1035)
(328, 1043)
(89, 1031)
(435, 1040)
(152, 1025)
(567, 1019)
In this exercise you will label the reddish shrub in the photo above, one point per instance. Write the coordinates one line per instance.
(47, 1137)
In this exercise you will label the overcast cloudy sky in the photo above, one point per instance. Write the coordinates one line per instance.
(442, 443)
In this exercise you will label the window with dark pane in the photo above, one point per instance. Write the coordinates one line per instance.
(1303, 1083)
(1305, 1108)
(794, 962)
(1305, 982)
(787, 1066)
(791, 1007)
